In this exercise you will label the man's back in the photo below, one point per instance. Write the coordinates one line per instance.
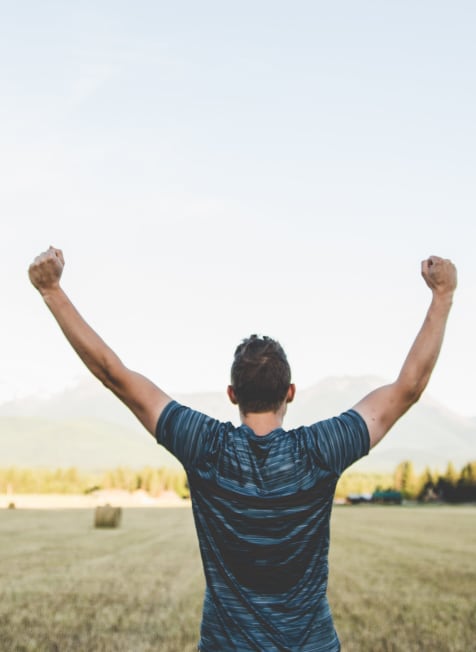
(262, 506)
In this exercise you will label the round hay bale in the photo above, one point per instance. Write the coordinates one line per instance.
(11, 506)
(107, 516)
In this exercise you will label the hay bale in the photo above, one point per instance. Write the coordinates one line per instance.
(107, 516)
(11, 506)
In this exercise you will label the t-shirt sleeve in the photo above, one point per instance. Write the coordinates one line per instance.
(341, 441)
(186, 433)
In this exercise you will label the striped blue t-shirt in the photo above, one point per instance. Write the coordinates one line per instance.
(262, 506)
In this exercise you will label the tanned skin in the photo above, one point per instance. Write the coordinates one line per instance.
(140, 395)
(380, 409)
(383, 407)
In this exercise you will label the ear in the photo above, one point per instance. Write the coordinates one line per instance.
(291, 393)
(231, 394)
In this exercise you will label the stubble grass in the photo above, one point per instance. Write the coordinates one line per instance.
(402, 579)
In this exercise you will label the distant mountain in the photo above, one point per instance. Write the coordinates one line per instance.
(84, 443)
(85, 426)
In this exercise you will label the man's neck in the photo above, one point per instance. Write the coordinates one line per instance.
(262, 423)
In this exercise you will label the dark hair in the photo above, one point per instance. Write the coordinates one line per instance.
(260, 374)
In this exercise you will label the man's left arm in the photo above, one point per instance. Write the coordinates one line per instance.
(383, 407)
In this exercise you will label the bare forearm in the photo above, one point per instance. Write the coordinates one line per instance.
(422, 357)
(384, 406)
(137, 392)
(92, 350)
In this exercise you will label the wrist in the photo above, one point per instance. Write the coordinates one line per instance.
(443, 298)
(49, 293)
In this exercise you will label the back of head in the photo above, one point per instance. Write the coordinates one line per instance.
(260, 375)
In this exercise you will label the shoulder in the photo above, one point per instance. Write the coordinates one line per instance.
(187, 433)
(178, 416)
(348, 420)
(340, 440)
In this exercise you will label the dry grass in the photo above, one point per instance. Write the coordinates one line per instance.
(402, 579)
(69, 587)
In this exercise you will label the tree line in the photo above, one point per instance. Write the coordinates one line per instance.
(72, 481)
(430, 485)
(450, 486)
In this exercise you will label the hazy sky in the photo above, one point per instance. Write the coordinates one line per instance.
(215, 169)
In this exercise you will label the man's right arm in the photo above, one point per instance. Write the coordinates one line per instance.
(384, 406)
(138, 393)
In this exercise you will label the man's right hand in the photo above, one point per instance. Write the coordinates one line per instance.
(439, 274)
(45, 271)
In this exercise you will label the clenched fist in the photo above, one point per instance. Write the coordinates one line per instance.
(45, 271)
(439, 274)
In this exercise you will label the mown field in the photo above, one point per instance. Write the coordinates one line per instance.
(402, 579)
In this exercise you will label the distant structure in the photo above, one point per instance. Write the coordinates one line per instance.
(387, 497)
(357, 499)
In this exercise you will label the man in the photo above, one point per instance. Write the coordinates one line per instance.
(261, 496)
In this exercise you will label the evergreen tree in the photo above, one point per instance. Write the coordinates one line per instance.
(451, 475)
(426, 485)
(405, 479)
(468, 474)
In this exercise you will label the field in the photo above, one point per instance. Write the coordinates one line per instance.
(402, 579)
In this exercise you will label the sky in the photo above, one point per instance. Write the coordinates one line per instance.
(216, 169)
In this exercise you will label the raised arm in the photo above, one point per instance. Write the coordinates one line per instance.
(140, 395)
(384, 406)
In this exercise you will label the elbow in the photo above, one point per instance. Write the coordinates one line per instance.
(108, 372)
(111, 381)
(411, 392)
(415, 395)
(106, 378)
